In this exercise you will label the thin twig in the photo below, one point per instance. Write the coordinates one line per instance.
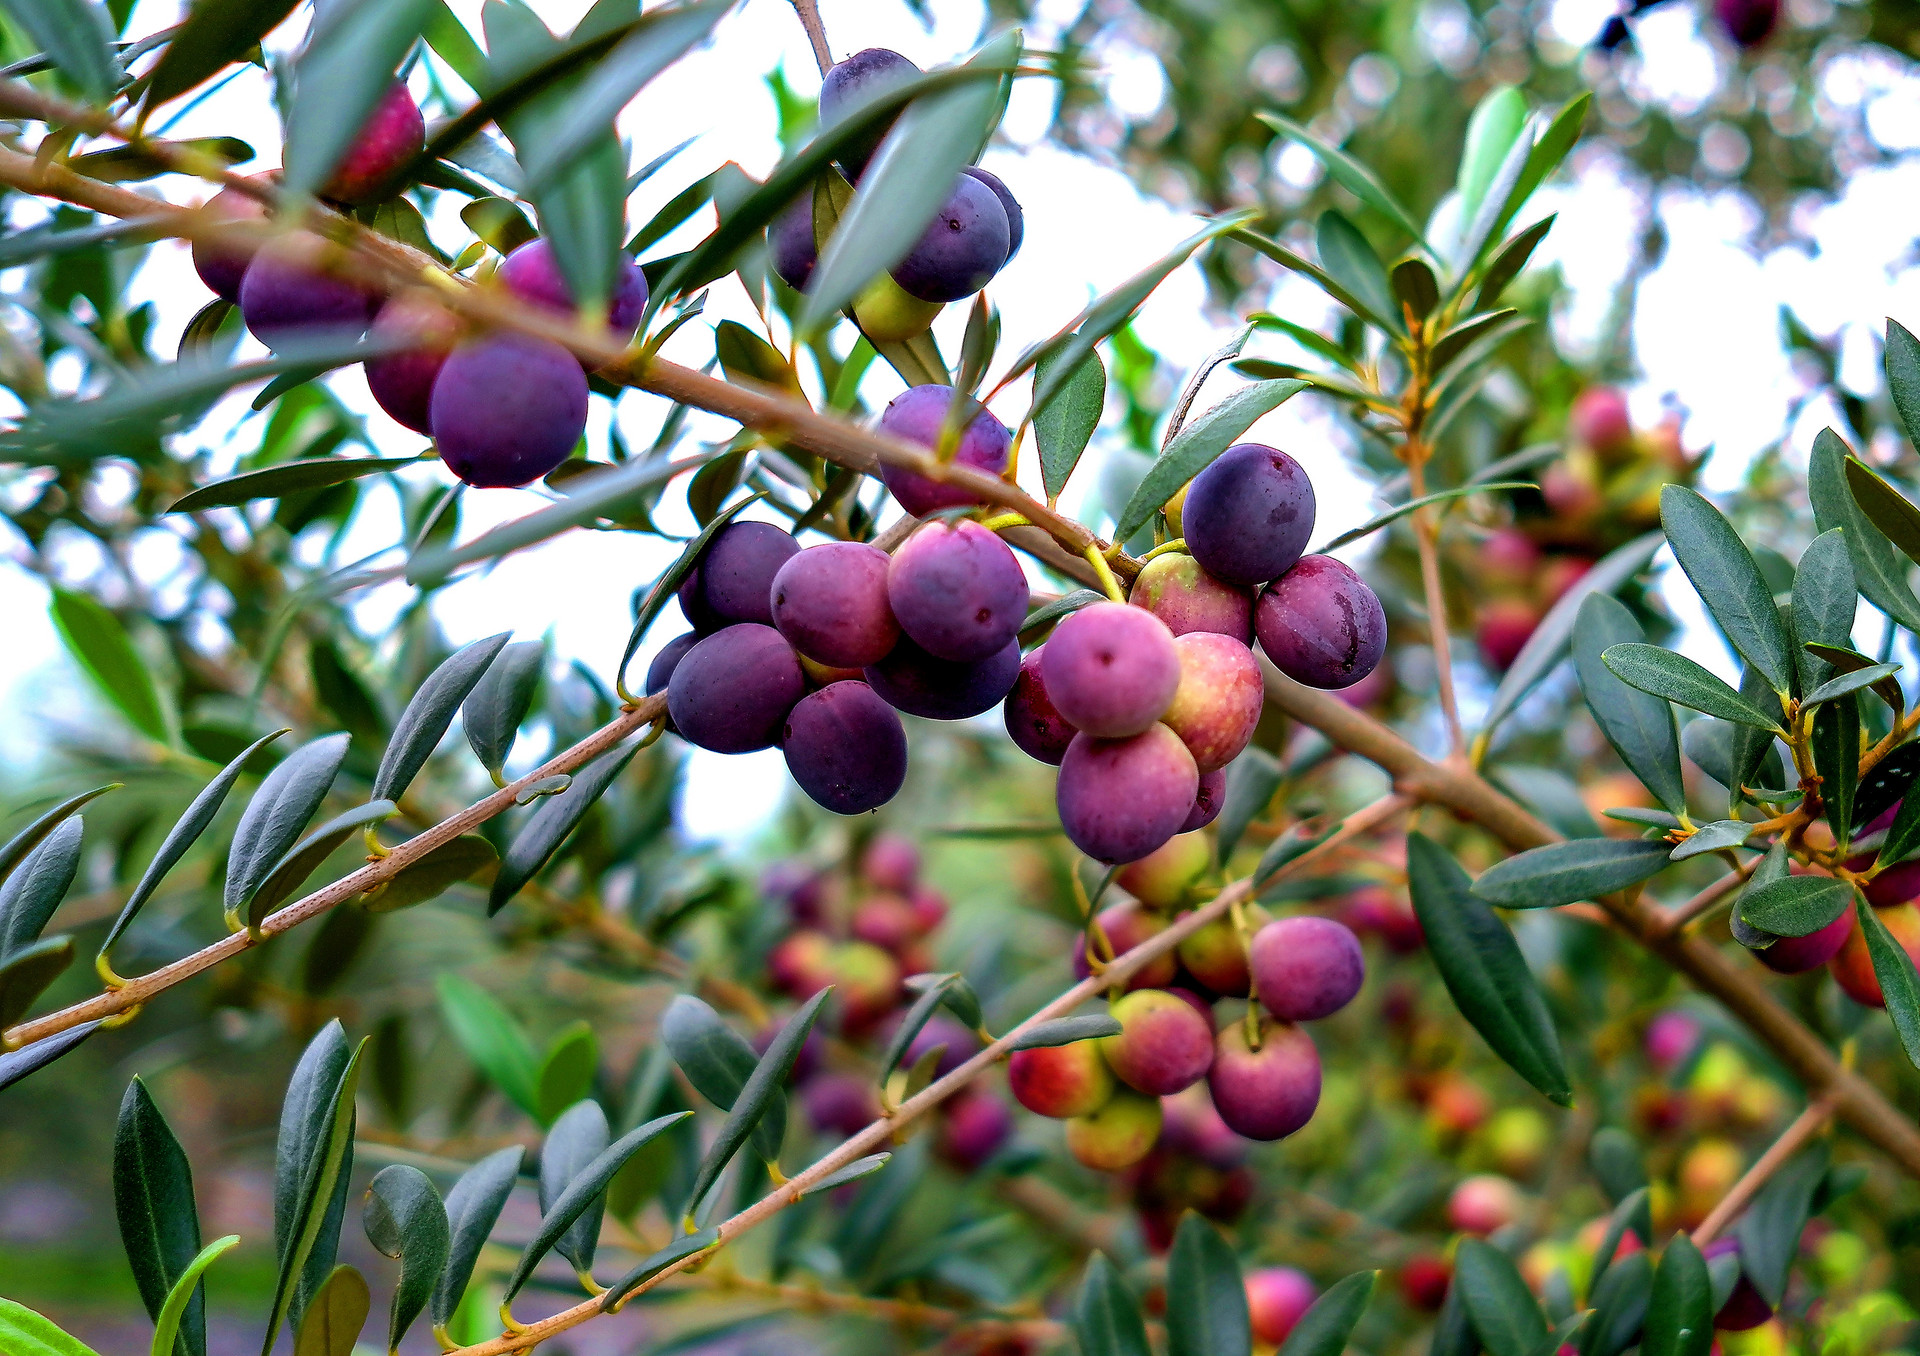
(809, 13)
(1805, 1126)
(1678, 917)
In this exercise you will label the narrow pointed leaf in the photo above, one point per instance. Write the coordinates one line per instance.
(1066, 1031)
(1878, 569)
(1562, 873)
(1328, 1324)
(28, 1333)
(760, 1094)
(1619, 1301)
(681, 1248)
(550, 826)
(311, 1231)
(1836, 757)
(1349, 173)
(30, 895)
(1497, 122)
(1899, 984)
(405, 1220)
(24, 842)
(491, 1038)
(719, 1063)
(853, 1172)
(1399, 511)
(911, 1025)
(1769, 1230)
(1349, 260)
(1848, 683)
(1197, 446)
(670, 580)
(958, 995)
(1484, 970)
(216, 34)
(1062, 430)
(1824, 602)
(25, 975)
(1501, 1309)
(185, 1295)
(285, 478)
(462, 859)
(17, 1064)
(305, 857)
(1680, 1312)
(278, 812)
(1728, 581)
(473, 1205)
(101, 647)
(1675, 678)
(1548, 151)
(159, 1224)
(429, 712)
(566, 1071)
(1106, 1317)
(339, 78)
(77, 36)
(1252, 778)
(1885, 507)
(1206, 1298)
(1509, 260)
(578, 1137)
(1714, 837)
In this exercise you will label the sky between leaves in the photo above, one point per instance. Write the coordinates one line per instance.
(1705, 334)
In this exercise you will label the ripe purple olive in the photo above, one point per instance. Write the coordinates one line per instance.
(1176, 590)
(731, 693)
(1207, 801)
(957, 591)
(1266, 1093)
(861, 78)
(1164, 1045)
(1248, 515)
(660, 671)
(1321, 625)
(977, 1126)
(1016, 219)
(790, 247)
(1218, 702)
(1119, 799)
(962, 248)
(917, 415)
(1060, 1080)
(845, 748)
(1033, 721)
(402, 382)
(891, 862)
(830, 602)
(507, 409)
(532, 273)
(1306, 967)
(283, 300)
(1111, 669)
(1797, 955)
(394, 135)
(221, 265)
(911, 680)
(733, 580)
(1116, 1135)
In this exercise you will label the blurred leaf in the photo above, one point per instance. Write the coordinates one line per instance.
(340, 77)
(1497, 122)
(335, 1315)
(26, 973)
(77, 36)
(27, 1333)
(1466, 335)
(745, 355)
(433, 874)
(17, 1064)
(911, 1025)
(1252, 778)
(550, 825)
(1106, 1317)
(1509, 260)
(472, 1207)
(1206, 1298)
(1325, 1327)
(1899, 985)
(1619, 1300)
(1675, 678)
(1902, 361)
(1563, 873)
(1548, 151)
(453, 44)
(32, 892)
(406, 1221)
(42, 242)
(1723, 573)
(1399, 511)
(1198, 445)
(186, 1292)
(429, 712)
(761, 1100)
(1680, 1312)
(958, 995)
(1487, 222)
(719, 1063)
(159, 1224)
(216, 33)
(1501, 1309)
(1306, 338)
(1770, 1228)
(1483, 969)
(1066, 1031)
(1296, 842)
(566, 1071)
(150, 160)
(499, 222)
(684, 1246)
(493, 711)
(274, 818)
(1349, 173)
(492, 1039)
(304, 857)
(287, 478)
(660, 38)
(1617, 1162)
(101, 647)
(1878, 568)
(1415, 287)
(1835, 741)
(678, 210)
(853, 1172)
(315, 1157)
(1306, 268)
(1350, 261)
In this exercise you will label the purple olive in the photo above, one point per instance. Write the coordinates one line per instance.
(222, 265)
(734, 578)
(1306, 967)
(916, 415)
(911, 680)
(1016, 219)
(394, 135)
(1248, 515)
(283, 300)
(790, 245)
(957, 590)
(1267, 1093)
(1033, 721)
(1111, 669)
(507, 409)
(731, 692)
(830, 602)
(962, 248)
(532, 273)
(1321, 625)
(660, 671)
(1119, 799)
(845, 748)
(402, 382)
(1176, 590)
(852, 83)
(1207, 801)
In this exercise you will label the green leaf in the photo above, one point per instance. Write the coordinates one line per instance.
(1483, 969)
(760, 1099)
(1415, 287)
(1561, 873)
(1676, 678)
(499, 702)
(1497, 122)
(101, 647)
(1286, 258)
(1639, 726)
(1569, 617)
(566, 1071)
(159, 1225)
(1848, 683)
(25, 975)
(492, 1039)
(27, 1333)
(433, 874)
(1714, 837)
(1206, 1298)
(275, 817)
(151, 159)
(1296, 842)
(1252, 778)
(1723, 573)
(1048, 613)
(1329, 1322)
(1617, 1162)
(18, 848)
(185, 832)
(216, 34)
(683, 1247)
(1840, 659)
(958, 995)
(1680, 1313)
(334, 1316)
(853, 1172)
(670, 580)
(305, 857)
(1885, 507)
(1198, 444)
(429, 712)
(576, 1140)
(718, 1062)
(1878, 569)
(185, 1297)
(1350, 261)
(308, 1232)
(1106, 1318)
(1769, 1229)
(1501, 1309)
(1066, 1031)
(472, 1207)
(550, 825)
(17, 1064)
(77, 36)
(286, 478)
(1824, 602)
(1545, 157)
(661, 38)
(340, 76)
(405, 1220)
(1399, 511)
(1899, 985)
(1835, 740)
(606, 495)
(583, 1188)
(1475, 333)
(1496, 209)
(911, 1025)
(32, 892)
(1062, 430)
(744, 355)
(1509, 260)
(1349, 173)
(905, 185)
(1619, 1300)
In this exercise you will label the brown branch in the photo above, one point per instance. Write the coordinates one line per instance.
(809, 13)
(1805, 1126)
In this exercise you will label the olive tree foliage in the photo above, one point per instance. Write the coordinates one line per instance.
(265, 742)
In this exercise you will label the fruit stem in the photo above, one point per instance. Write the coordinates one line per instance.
(1108, 584)
(1165, 548)
(1000, 520)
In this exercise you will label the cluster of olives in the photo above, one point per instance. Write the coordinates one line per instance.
(1261, 1070)
(978, 228)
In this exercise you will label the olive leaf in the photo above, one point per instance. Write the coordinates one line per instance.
(1675, 678)
(1680, 1310)
(279, 811)
(159, 1224)
(29, 896)
(216, 34)
(1066, 1031)
(1328, 1324)
(16, 1065)
(760, 1096)
(1064, 426)
(429, 712)
(1501, 1308)
(473, 1205)
(1206, 1298)
(550, 826)
(305, 857)
(1198, 444)
(185, 1292)
(312, 1163)
(405, 1219)
(719, 1063)
(1561, 873)
(1729, 583)
(106, 654)
(491, 1038)
(1879, 570)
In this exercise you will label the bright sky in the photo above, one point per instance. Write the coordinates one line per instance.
(1705, 331)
